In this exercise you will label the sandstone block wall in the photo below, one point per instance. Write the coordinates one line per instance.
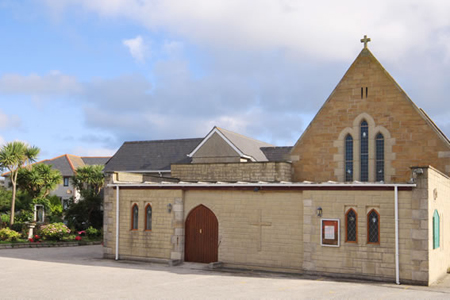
(412, 140)
(438, 194)
(240, 243)
(360, 259)
(140, 243)
(257, 171)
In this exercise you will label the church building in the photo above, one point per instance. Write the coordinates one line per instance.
(364, 192)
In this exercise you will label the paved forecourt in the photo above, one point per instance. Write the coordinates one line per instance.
(81, 273)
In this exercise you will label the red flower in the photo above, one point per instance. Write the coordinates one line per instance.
(82, 232)
(78, 238)
(37, 237)
(31, 240)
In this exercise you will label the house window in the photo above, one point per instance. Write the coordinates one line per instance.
(351, 226)
(349, 158)
(380, 157)
(134, 217)
(373, 227)
(364, 151)
(436, 229)
(148, 217)
(66, 181)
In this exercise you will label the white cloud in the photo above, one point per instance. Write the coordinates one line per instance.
(84, 151)
(137, 48)
(52, 84)
(9, 121)
(320, 29)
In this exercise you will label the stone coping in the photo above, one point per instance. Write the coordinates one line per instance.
(47, 244)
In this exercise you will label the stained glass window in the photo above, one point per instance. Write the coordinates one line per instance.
(351, 226)
(373, 227)
(148, 217)
(364, 151)
(436, 229)
(380, 157)
(349, 158)
(134, 217)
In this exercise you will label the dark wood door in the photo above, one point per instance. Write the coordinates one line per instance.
(202, 236)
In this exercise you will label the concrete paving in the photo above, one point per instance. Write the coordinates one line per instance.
(81, 273)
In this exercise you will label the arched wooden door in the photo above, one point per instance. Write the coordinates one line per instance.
(201, 236)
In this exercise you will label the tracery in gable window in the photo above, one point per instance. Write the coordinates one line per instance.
(379, 157)
(349, 158)
(364, 152)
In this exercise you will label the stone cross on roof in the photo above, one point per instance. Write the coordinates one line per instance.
(365, 40)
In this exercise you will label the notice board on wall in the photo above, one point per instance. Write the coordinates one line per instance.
(329, 232)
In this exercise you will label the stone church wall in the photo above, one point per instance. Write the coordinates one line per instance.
(276, 245)
(438, 193)
(367, 92)
(361, 259)
(140, 244)
(255, 171)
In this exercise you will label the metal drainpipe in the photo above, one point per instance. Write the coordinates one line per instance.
(397, 262)
(117, 222)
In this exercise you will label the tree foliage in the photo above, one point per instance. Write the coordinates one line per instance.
(89, 180)
(39, 180)
(14, 156)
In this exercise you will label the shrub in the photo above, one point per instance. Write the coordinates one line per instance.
(7, 234)
(55, 231)
(92, 232)
(4, 220)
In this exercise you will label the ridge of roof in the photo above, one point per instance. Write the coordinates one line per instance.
(160, 141)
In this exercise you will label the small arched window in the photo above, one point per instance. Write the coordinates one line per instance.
(373, 227)
(134, 217)
(436, 230)
(148, 217)
(364, 151)
(351, 226)
(380, 157)
(349, 158)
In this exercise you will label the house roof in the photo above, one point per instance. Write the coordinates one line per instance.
(243, 145)
(68, 163)
(276, 153)
(151, 155)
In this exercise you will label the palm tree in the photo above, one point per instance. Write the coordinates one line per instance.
(39, 180)
(89, 180)
(13, 156)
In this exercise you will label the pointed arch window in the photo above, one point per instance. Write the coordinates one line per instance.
(148, 217)
(349, 158)
(134, 217)
(373, 227)
(380, 157)
(436, 230)
(351, 226)
(364, 151)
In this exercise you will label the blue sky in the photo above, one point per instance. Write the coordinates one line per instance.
(83, 76)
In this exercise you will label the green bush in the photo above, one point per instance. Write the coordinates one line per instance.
(8, 235)
(92, 232)
(55, 231)
(4, 220)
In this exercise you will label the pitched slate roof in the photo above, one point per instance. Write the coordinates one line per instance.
(68, 163)
(276, 153)
(248, 146)
(243, 145)
(151, 155)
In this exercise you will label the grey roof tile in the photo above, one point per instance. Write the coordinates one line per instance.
(151, 155)
(246, 145)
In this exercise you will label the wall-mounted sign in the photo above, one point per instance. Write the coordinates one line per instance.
(329, 232)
